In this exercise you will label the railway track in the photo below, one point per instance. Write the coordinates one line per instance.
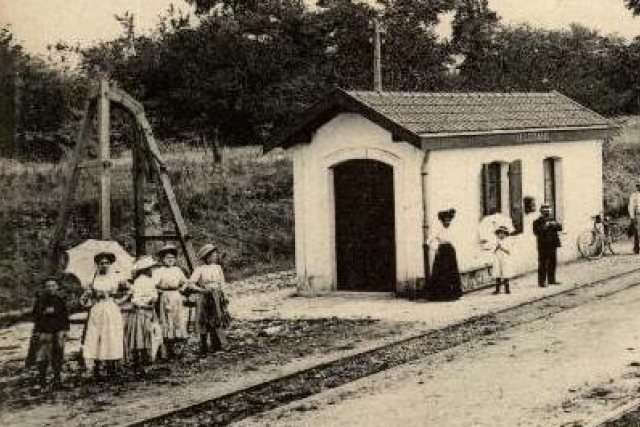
(262, 397)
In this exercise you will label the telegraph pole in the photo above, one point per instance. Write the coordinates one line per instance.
(377, 66)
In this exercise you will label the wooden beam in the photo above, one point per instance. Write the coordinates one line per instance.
(138, 190)
(165, 182)
(72, 182)
(104, 158)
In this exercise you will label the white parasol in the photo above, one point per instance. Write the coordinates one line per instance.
(82, 266)
(489, 224)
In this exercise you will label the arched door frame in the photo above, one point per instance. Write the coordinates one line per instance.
(364, 153)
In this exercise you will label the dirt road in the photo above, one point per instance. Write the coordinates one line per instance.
(559, 371)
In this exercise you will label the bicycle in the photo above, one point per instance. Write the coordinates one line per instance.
(602, 237)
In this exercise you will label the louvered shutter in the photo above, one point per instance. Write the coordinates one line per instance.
(486, 191)
(515, 195)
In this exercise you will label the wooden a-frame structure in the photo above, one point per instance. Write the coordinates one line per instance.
(145, 154)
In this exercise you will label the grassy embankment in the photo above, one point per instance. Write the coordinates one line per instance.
(246, 209)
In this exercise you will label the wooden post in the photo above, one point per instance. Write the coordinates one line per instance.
(138, 191)
(104, 158)
(377, 67)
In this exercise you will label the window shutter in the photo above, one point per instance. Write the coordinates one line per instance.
(486, 192)
(515, 195)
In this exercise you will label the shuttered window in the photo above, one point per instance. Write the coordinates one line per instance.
(515, 196)
(491, 188)
(552, 181)
(492, 191)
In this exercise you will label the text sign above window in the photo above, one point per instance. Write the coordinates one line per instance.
(532, 136)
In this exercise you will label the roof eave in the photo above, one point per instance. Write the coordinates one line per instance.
(339, 101)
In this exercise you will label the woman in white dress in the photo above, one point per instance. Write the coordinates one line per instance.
(171, 281)
(103, 342)
(211, 304)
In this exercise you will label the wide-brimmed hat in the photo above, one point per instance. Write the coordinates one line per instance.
(206, 250)
(144, 263)
(168, 249)
(502, 229)
(545, 206)
(109, 256)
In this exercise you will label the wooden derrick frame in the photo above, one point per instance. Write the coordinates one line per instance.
(144, 149)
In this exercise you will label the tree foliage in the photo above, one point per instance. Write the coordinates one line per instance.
(240, 69)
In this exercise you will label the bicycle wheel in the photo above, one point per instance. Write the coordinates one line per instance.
(590, 244)
(614, 238)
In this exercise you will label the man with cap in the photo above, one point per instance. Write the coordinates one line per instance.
(546, 230)
(634, 214)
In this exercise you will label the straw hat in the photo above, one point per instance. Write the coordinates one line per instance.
(168, 249)
(109, 256)
(143, 263)
(206, 250)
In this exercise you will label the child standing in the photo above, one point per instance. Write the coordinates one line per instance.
(211, 309)
(502, 253)
(51, 323)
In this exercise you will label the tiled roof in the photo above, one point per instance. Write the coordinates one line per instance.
(444, 113)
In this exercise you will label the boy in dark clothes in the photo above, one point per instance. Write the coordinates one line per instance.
(51, 324)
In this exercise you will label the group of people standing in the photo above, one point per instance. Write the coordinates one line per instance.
(445, 283)
(136, 320)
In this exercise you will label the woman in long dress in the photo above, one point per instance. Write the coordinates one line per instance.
(171, 281)
(211, 315)
(142, 339)
(444, 283)
(103, 342)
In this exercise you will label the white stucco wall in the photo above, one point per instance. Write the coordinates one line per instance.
(348, 137)
(449, 178)
(453, 179)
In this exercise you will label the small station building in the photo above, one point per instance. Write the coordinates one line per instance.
(373, 169)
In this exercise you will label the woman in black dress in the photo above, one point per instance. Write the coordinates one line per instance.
(444, 283)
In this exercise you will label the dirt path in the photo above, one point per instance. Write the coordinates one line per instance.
(562, 370)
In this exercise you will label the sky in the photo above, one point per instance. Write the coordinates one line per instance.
(37, 23)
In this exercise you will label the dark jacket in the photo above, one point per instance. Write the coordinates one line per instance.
(546, 231)
(56, 320)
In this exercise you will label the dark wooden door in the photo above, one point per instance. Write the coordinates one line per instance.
(365, 226)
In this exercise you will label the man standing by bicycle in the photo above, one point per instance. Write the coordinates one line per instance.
(546, 229)
(634, 214)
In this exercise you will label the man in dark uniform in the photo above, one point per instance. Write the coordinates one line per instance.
(546, 229)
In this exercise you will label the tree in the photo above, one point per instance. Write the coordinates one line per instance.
(474, 30)
(634, 6)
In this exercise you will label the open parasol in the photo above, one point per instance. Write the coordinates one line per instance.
(489, 224)
(82, 266)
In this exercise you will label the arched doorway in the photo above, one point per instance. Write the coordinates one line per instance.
(364, 226)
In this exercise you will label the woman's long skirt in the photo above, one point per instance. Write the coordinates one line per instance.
(445, 284)
(212, 314)
(141, 333)
(171, 315)
(104, 339)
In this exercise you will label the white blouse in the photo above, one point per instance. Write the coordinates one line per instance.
(169, 278)
(105, 284)
(143, 291)
(440, 234)
(208, 276)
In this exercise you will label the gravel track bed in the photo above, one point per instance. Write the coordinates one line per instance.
(266, 396)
